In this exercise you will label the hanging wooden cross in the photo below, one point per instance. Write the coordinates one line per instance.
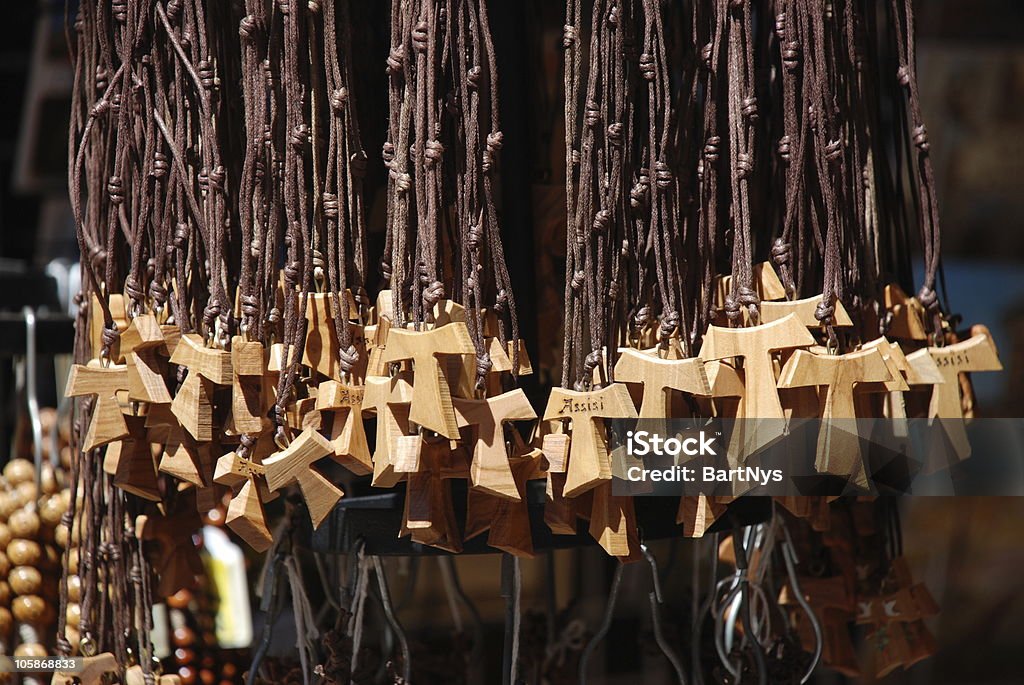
(659, 377)
(247, 413)
(246, 477)
(767, 285)
(834, 605)
(839, 451)
(130, 461)
(320, 352)
(760, 408)
(295, 464)
(698, 513)
(193, 403)
(490, 470)
(93, 670)
(804, 311)
(186, 459)
(175, 559)
(140, 343)
(977, 353)
(348, 435)
(907, 314)
(613, 523)
(506, 521)
(107, 424)
(389, 398)
(429, 514)
(899, 637)
(589, 463)
(431, 398)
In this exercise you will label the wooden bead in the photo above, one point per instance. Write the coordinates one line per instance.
(73, 614)
(24, 552)
(74, 588)
(6, 622)
(187, 675)
(180, 599)
(19, 471)
(184, 637)
(207, 677)
(32, 650)
(24, 524)
(184, 656)
(25, 580)
(9, 504)
(60, 536)
(26, 492)
(74, 638)
(51, 510)
(50, 480)
(31, 609)
(5, 593)
(73, 560)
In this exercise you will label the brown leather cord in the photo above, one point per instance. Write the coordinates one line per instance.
(444, 142)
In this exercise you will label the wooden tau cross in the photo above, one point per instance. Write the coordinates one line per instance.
(659, 376)
(321, 349)
(245, 515)
(760, 399)
(804, 311)
(431, 398)
(506, 521)
(139, 345)
(175, 561)
(295, 465)
(107, 424)
(589, 463)
(186, 459)
(613, 523)
(907, 320)
(429, 514)
(130, 461)
(95, 670)
(766, 284)
(977, 353)
(490, 470)
(389, 398)
(348, 435)
(246, 385)
(193, 404)
(697, 513)
(839, 450)
(833, 604)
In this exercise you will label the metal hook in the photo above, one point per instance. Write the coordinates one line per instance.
(606, 622)
(655, 601)
(790, 559)
(389, 614)
(31, 392)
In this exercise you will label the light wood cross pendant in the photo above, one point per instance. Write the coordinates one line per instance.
(295, 465)
(246, 477)
(321, 350)
(389, 398)
(95, 670)
(755, 344)
(140, 343)
(659, 376)
(804, 311)
(175, 560)
(907, 314)
(589, 463)
(429, 514)
(107, 424)
(977, 353)
(247, 369)
(490, 470)
(839, 450)
(431, 398)
(130, 461)
(348, 435)
(193, 404)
